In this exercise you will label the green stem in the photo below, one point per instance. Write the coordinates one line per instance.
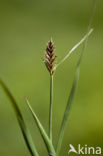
(51, 107)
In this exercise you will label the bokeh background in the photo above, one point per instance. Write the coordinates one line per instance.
(25, 28)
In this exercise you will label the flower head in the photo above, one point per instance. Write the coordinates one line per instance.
(50, 57)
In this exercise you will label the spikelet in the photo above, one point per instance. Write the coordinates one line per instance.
(50, 57)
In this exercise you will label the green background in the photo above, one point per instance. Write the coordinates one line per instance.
(25, 28)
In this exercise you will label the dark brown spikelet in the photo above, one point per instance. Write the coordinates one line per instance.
(50, 57)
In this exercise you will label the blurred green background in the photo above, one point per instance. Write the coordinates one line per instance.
(25, 28)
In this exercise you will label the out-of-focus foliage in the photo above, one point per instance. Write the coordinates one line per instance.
(25, 28)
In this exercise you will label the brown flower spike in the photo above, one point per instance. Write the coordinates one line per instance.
(50, 57)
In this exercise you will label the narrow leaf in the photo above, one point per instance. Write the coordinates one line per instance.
(67, 111)
(71, 98)
(25, 132)
(79, 43)
(47, 141)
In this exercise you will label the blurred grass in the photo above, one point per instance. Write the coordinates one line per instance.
(25, 28)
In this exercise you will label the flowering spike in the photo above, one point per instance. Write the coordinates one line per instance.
(50, 57)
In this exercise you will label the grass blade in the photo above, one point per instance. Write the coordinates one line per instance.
(75, 83)
(70, 99)
(72, 93)
(67, 110)
(79, 43)
(43, 133)
(25, 132)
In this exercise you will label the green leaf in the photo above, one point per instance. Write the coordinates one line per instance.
(77, 45)
(47, 141)
(72, 93)
(67, 110)
(25, 132)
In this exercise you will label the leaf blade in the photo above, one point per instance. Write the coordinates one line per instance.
(79, 43)
(67, 111)
(73, 90)
(47, 141)
(25, 132)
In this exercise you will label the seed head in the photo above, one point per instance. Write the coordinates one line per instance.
(50, 57)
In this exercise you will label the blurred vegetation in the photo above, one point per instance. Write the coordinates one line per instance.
(25, 28)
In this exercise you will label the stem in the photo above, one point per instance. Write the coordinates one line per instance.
(51, 107)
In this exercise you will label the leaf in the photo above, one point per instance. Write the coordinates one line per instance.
(67, 110)
(79, 43)
(71, 97)
(47, 141)
(25, 132)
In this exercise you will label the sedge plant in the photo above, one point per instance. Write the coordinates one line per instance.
(51, 65)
